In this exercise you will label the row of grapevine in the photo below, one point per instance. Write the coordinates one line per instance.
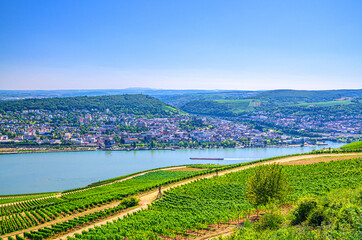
(16, 238)
(14, 199)
(28, 206)
(25, 220)
(78, 221)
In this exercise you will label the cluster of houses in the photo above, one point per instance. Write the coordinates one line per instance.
(351, 124)
(102, 129)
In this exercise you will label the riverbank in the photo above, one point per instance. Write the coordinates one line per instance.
(87, 149)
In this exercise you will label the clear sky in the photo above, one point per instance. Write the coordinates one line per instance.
(185, 44)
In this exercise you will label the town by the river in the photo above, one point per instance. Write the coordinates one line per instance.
(50, 172)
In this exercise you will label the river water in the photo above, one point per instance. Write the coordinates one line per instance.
(49, 172)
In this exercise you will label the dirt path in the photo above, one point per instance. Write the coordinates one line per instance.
(148, 198)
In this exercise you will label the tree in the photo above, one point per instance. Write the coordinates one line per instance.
(268, 183)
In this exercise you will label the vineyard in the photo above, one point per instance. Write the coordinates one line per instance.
(23, 215)
(13, 199)
(190, 210)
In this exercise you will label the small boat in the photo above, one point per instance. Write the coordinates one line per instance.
(193, 158)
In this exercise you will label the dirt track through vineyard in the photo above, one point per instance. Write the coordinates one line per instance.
(148, 197)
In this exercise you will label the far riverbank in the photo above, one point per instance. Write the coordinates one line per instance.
(27, 150)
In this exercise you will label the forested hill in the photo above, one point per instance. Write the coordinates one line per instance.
(129, 103)
(287, 97)
(299, 102)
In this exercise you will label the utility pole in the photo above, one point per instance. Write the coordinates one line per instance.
(159, 195)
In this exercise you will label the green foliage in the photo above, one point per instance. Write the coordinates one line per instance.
(336, 216)
(193, 124)
(317, 217)
(270, 220)
(303, 210)
(268, 183)
(130, 202)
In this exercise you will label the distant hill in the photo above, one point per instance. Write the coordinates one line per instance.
(207, 107)
(162, 94)
(181, 99)
(129, 103)
(288, 97)
(299, 102)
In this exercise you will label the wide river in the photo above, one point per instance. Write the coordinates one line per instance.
(49, 172)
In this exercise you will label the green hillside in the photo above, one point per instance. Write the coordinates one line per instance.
(287, 97)
(326, 104)
(208, 107)
(129, 103)
(354, 107)
(296, 102)
(181, 99)
(185, 212)
(353, 146)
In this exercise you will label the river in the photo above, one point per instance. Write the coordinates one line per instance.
(49, 172)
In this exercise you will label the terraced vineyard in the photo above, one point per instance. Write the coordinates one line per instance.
(189, 210)
(26, 214)
(13, 199)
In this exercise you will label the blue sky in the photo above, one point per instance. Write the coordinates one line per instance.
(194, 44)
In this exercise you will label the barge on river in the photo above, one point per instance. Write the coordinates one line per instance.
(196, 158)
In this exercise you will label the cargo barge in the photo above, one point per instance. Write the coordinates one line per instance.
(195, 158)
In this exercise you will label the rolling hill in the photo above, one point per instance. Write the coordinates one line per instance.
(137, 104)
(288, 101)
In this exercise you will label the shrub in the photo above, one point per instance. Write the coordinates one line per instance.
(317, 217)
(271, 220)
(130, 202)
(303, 210)
(349, 214)
(268, 183)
